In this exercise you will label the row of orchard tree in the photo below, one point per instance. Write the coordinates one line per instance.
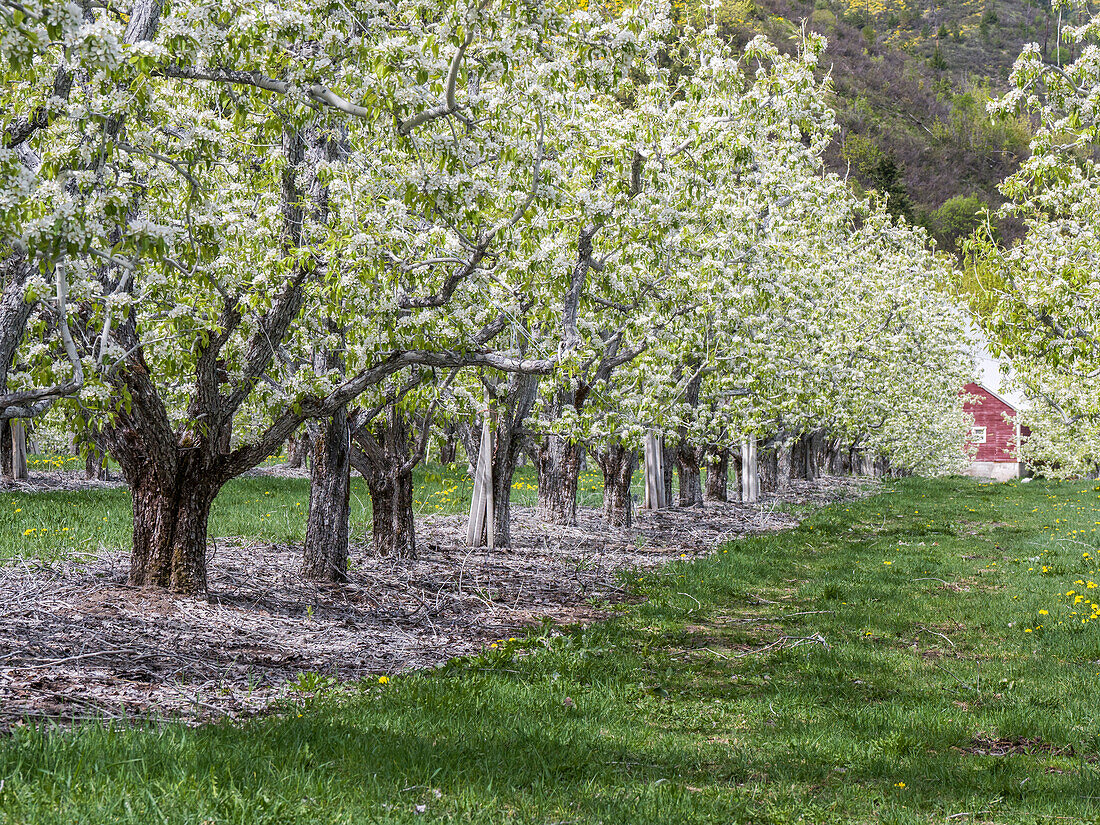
(543, 228)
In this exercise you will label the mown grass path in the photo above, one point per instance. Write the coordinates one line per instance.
(888, 661)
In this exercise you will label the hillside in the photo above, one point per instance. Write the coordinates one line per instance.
(911, 83)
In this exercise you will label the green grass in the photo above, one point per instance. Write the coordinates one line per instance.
(675, 710)
(51, 525)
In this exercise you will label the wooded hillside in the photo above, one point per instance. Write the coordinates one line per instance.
(911, 83)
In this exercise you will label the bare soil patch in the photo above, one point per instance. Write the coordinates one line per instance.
(983, 745)
(76, 641)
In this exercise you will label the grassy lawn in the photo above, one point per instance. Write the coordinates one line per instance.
(50, 525)
(920, 656)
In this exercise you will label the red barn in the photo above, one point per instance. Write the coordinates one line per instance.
(997, 434)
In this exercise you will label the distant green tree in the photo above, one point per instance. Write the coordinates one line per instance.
(957, 219)
(879, 171)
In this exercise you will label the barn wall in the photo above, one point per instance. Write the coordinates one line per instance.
(1000, 442)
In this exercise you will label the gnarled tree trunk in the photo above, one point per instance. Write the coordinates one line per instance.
(815, 449)
(507, 446)
(687, 466)
(618, 464)
(558, 463)
(508, 442)
(170, 522)
(768, 468)
(717, 488)
(325, 556)
(382, 455)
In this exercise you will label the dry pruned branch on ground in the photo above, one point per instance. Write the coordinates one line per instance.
(76, 641)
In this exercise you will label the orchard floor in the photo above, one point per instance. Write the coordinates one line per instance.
(76, 642)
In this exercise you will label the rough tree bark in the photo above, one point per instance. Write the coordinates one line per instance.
(5, 449)
(814, 454)
(297, 448)
(768, 468)
(508, 443)
(325, 555)
(668, 459)
(617, 464)
(470, 436)
(783, 464)
(717, 488)
(448, 445)
(94, 467)
(558, 463)
(834, 457)
(687, 467)
(738, 467)
(171, 511)
(381, 453)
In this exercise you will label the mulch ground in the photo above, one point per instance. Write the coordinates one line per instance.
(77, 642)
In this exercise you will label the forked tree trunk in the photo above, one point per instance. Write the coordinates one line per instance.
(170, 519)
(558, 463)
(393, 528)
(382, 455)
(325, 556)
(687, 465)
(618, 464)
(717, 488)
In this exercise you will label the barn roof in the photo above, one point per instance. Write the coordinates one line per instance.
(1006, 401)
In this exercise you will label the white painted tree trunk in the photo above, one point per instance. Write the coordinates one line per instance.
(19, 469)
(479, 530)
(654, 474)
(750, 471)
